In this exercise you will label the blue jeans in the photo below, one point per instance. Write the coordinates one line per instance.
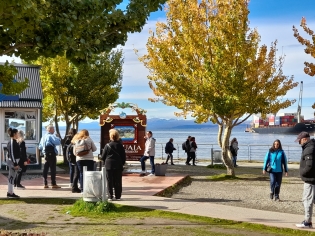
(143, 159)
(234, 160)
(90, 167)
(275, 182)
(71, 171)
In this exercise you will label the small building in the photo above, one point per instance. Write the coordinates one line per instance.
(23, 112)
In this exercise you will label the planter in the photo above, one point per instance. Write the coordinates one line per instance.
(160, 169)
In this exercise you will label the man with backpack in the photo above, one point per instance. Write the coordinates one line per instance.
(186, 148)
(48, 145)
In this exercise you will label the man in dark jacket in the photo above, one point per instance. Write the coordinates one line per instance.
(187, 150)
(307, 172)
(169, 148)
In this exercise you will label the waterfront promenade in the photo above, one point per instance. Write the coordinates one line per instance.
(139, 191)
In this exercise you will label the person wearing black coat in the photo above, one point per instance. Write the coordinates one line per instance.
(169, 148)
(23, 160)
(114, 157)
(72, 164)
(187, 150)
(307, 173)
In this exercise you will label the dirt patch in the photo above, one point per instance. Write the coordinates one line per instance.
(40, 219)
(37, 218)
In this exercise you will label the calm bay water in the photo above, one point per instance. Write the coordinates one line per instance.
(252, 146)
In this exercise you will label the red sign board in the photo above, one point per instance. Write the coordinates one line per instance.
(131, 129)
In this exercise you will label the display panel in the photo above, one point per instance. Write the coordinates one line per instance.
(127, 133)
(21, 120)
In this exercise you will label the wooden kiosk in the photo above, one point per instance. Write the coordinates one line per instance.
(131, 129)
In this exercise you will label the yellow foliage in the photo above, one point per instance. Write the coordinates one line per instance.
(205, 60)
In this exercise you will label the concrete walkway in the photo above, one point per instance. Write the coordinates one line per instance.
(138, 191)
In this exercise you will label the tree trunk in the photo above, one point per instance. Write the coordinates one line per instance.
(226, 153)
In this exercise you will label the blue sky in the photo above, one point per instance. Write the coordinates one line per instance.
(272, 18)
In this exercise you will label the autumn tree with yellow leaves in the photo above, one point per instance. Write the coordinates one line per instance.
(309, 68)
(206, 61)
(75, 92)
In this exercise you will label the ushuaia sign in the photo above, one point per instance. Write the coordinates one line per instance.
(131, 128)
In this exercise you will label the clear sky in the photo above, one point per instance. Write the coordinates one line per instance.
(272, 18)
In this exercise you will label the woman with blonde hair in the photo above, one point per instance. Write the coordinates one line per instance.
(82, 140)
(114, 157)
(23, 160)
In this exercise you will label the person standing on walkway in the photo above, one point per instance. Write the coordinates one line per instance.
(86, 158)
(12, 161)
(149, 152)
(307, 173)
(186, 147)
(193, 149)
(48, 145)
(169, 148)
(23, 160)
(277, 160)
(114, 157)
(66, 153)
(234, 149)
(74, 171)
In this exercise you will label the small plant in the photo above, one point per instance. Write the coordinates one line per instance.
(222, 177)
(81, 206)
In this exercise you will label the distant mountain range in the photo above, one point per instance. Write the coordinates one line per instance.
(156, 124)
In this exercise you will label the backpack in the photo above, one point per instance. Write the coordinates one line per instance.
(184, 146)
(81, 148)
(69, 154)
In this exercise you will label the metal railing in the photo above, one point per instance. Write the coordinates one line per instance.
(253, 152)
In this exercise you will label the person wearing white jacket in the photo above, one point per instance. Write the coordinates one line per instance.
(86, 159)
(149, 152)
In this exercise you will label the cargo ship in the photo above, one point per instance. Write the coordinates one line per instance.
(286, 123)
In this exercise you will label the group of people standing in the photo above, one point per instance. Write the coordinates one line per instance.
(190, 147)
(78, 161)
(113, 156)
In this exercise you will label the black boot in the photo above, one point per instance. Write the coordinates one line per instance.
(75, 189)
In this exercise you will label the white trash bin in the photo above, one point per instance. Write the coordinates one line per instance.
(94, 185)
(217, 156)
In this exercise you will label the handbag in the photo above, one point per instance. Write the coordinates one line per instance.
(268, 167)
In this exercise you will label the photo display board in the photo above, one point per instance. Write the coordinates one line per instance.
(131, 129)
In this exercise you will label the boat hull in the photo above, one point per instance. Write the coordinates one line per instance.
(298, 128)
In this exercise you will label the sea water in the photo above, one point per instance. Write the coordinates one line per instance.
(252, 146)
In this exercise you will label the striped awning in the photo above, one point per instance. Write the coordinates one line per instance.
(34, 90)
(21, 104)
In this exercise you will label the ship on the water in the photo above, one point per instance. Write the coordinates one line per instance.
(308, 126)
(285, 123)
